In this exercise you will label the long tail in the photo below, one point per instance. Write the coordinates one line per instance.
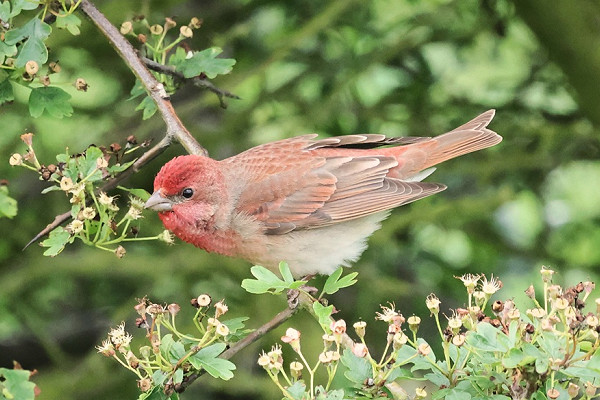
(467, 138)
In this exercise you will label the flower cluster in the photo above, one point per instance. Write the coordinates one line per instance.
(488, 348)
(169, 359)
(95, 216)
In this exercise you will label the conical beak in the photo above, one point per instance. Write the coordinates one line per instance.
(159, 203)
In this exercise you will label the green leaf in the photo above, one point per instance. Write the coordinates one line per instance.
(5, 11)
(34, 32)
(70, 22)
(51, 99)
(137, 90)
(514, 357)
(149, 107)
(141, 193)
(56, 241)
(8, 205)
(324, 315)
(19, 5)
(235, 324)
(207, 358)
(16, 384)
(6, 90)
(267, 282)
(171, 349)
(359, 369)
(157, 393)
(114, 169)
(205, 61)
(297, 390)
(334, 283)
(286, 274)
(6, 50)
(88, 164)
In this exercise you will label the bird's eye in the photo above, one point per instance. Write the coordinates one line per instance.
(187, 193)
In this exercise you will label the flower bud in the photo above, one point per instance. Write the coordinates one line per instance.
(530, 292)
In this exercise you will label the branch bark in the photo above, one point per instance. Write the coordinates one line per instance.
(175, 128)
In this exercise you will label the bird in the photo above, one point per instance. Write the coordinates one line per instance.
(310, 202)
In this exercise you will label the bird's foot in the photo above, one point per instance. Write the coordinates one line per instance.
(293, 295)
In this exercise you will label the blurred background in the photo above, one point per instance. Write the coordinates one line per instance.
(399, 67)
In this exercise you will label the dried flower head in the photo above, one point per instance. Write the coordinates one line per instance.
(470, 281)
(15, 159)
(388, 314)
(120, 252)
(222, 330)
(360, 328)
(296, 369)
(424, 349)
(167, 237)
(399, 340)
(186, 31)
(31, 67)
(88, 213)
(546, 274)
(360, 350)
(106, 348)
(66, 184)
(156, 29)
(433, 303)
(81, 85)
(264, 360)
(220, 308)
(126, 28)
(338, 327)
(204, 300)
(75, 227)
(174, 309)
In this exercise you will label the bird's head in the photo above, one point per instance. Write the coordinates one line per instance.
(188, 191)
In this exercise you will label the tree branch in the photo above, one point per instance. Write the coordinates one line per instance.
(175, 128)
(198, 81)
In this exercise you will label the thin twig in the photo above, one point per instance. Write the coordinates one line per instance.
(277, 320)
(110, 184)
(175, 128)
(199, 81)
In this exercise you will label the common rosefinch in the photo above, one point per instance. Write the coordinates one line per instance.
(312, 203)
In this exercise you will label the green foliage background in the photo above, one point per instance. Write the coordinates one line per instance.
(399, 67)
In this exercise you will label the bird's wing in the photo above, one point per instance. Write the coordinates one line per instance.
(290, 186)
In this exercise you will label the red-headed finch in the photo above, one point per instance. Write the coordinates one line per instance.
(310, 202)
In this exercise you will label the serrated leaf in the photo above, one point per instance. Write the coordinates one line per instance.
(148, 106)
(235, 324)
(19, 5)
(6, 50)
(16, 384)
(56, 241)
(159, 377)
(6, 91)
(171, 349)
(324, 315)
(141, 193)
(51, 99)
(157, 393)
(34, 32)
(267, 282)
(334, 283)
(205, 62)
(137, 90)
(297, 390)
(8, 205)
(359, 369)
(70, 22)
(88, 164)
(207, 358)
